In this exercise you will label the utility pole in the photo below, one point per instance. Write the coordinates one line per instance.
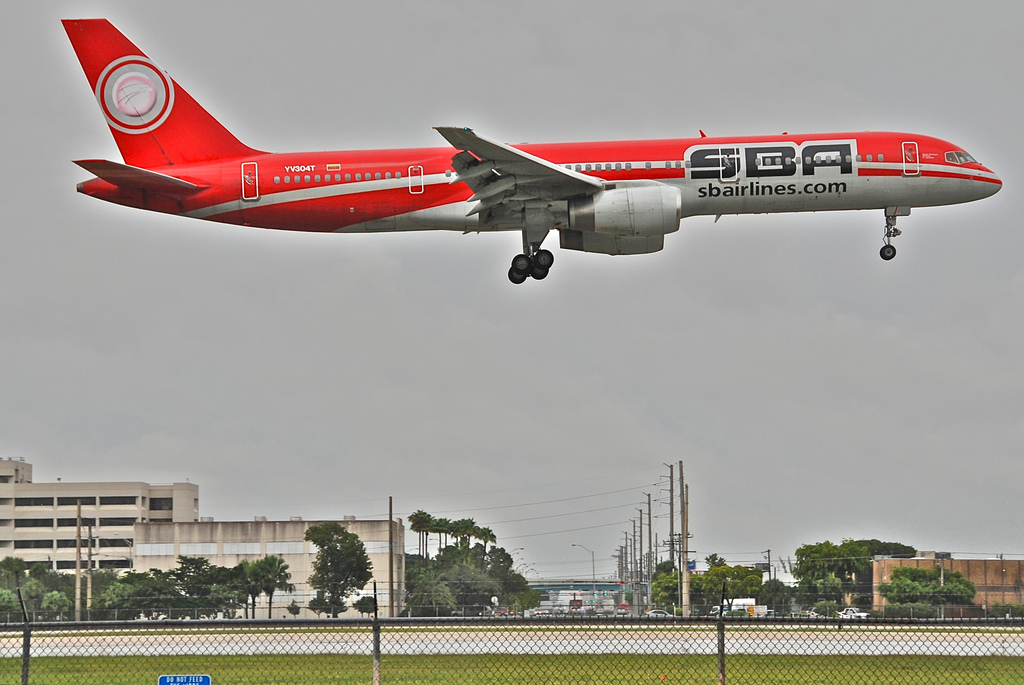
(684, 543)
(78, 563)
(650, 551)
(391, 559)
(671, 513)
(640, 547)
(88, 579)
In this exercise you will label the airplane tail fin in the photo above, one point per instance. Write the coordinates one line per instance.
(153, 120)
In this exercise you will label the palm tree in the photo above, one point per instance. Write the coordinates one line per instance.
(420, 523)
(442, 527)
(274, 576)
(463, 530)
(251, 583)
(486, 536)
(13, 569)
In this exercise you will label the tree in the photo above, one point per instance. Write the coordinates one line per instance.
(776, 595)
(341, 565)
(934, 586)
(56, 604)
(253, 580)
(293, 608)
(420, 523)
(9, 607)
(365, 605)
(665, 589)
(275, 576)
(13, 570)
(429, 594)
(739, 581)
(826, 570)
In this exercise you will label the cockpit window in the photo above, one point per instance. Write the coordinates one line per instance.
(960, 157)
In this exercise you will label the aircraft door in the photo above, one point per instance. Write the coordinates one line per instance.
(729, 171)
(250, 182)
(911, 161)
(415, 179)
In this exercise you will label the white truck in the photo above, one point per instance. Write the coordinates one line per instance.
(852, 613)
(745, 604)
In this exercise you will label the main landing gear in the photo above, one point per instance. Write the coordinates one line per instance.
(534, 265)
(888, 250)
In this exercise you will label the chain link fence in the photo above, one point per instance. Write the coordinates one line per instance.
(517, 651)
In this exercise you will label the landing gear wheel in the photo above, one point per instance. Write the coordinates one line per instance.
(543, 258)
(539, 273)
(887, 252)
(517, 277)
(522, 263)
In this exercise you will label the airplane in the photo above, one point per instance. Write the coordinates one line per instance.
(615, 198)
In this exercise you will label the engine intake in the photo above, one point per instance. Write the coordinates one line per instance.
(642, 210)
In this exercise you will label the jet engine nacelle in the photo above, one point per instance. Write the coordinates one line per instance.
(647, 210)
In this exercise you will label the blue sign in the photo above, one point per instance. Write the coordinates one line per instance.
(184, 680)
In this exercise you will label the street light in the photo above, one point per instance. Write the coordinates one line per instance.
(593, 573)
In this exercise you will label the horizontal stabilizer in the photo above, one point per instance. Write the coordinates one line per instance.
(124, 176)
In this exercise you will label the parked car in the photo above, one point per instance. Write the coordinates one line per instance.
(853, 612)
(657, 613)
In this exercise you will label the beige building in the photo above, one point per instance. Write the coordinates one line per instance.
(39, 521)
(226, 543)
(996, 580)
(142, 526)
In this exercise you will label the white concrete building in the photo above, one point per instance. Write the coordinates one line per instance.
(226, 543)
(39, 521)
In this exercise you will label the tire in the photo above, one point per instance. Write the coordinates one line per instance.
(887, 252)
(538, 273)
(543, 259)
(516, 277)
(522, 264)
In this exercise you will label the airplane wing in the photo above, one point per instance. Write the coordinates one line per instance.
(499, 174)
(125, 176)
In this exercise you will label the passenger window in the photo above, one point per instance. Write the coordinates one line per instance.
(277, 179)
(881, 157)
(348, 177)
(387, 175)
(668, 165)
(287, 179)
(359, 177)
(297, 178)
(317, 178)
(647, 165)
(870, 158)
(807, 160)
(579, 168)
(618, 166)
(306, 178)
(588, 167)
(629, 166)
(376, 176)
(337, 177)
(398, 174)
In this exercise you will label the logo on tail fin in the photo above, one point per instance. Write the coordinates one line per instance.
(135, 95)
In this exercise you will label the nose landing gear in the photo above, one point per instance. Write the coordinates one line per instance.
(888, 250)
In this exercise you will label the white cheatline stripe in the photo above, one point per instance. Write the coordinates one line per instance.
(312, 193)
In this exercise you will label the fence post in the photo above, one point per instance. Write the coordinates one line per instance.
(376, 639)
(26, 641)
(721, 638)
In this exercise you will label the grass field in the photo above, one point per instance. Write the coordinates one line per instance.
(524, 670)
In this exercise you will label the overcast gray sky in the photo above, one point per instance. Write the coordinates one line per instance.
(813, 391)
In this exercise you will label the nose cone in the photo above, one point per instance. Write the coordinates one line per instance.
(987, 183)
